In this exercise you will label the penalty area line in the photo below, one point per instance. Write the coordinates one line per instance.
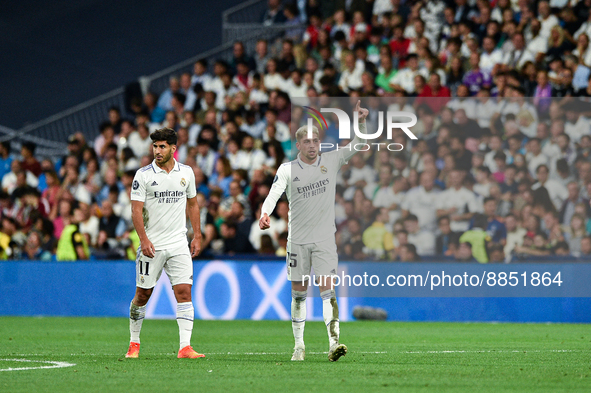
(51, 364)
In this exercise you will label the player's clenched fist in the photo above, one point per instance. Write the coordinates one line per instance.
(363, 112)
(265, 221)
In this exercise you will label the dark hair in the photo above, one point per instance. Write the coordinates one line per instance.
(411, 217)
(231, 224)
(443, 218)
(542, 166)
(6, 145)
(167, 135)
(339, 36)
(488, 199)
(480, 221)
(105, 125)
(562, 165)
(484, 169)
(180, 97)
(500, 156)
(535, 140)
(561, 244)
(30, 146)
(411, 248)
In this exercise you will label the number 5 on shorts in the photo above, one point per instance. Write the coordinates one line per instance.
(293, 262)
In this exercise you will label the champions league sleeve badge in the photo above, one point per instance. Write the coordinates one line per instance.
(136, 185)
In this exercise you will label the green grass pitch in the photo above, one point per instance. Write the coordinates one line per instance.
(254, 356)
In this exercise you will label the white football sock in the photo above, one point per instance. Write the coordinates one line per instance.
(330, 313)
(184, 317)
(298, 316)
(136, 317)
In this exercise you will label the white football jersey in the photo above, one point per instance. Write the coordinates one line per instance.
(165, 202)
(310, 190)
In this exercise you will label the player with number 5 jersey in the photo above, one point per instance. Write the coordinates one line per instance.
(309, 182)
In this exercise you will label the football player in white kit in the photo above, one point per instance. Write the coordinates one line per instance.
(310, 184)
(161, 194)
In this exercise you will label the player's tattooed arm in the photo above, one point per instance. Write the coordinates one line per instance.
(137, 217)
(194, 217)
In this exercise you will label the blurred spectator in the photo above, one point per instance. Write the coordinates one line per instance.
(496, 253)
(377, 240)
(111, 226)
(351, 240)
(32, 250)
(423, 240)
(422, 201)
(29, 162)
(447, 241)
(458, 203)
(558, 193)
(236, 195)
(10, 180)
(464, 253)
(222, 177)
(478, 238)
(232, 242)
(89, 225)
(273, 14)
(5, 158)
(575, 233)
(105, 139)
(72, 244)
(495, 228)
(586, 246)
(408, 253)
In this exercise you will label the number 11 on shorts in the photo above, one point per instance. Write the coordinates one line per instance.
(147, 268)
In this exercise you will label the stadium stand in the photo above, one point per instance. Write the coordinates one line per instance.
(501, 170)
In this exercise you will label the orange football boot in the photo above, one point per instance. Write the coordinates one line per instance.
(189, 353)
(133, 351)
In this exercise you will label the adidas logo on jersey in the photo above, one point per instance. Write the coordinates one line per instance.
(296, 179)
(154, 184)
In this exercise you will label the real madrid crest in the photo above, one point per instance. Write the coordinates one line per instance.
(183, 182)
(323, 169)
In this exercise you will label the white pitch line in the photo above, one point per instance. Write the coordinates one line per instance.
(310, 353)
(52, 364)
(206, 353)
(495, 351)
(279, 353)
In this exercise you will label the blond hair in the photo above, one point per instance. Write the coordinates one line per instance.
(302, 132)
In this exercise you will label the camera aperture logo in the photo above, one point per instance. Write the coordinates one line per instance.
(393, 121)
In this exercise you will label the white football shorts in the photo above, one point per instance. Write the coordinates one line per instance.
(321, 256)
(177, 263)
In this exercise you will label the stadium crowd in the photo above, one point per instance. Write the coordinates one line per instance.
(501, 168)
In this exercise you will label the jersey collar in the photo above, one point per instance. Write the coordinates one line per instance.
(157, 169)
(302, 163)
